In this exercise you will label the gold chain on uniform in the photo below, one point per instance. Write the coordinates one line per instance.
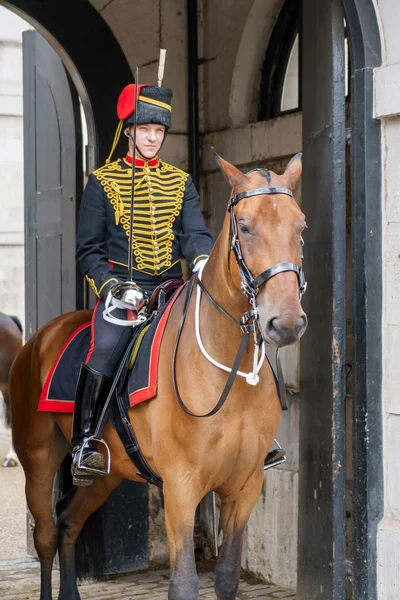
(159, 195)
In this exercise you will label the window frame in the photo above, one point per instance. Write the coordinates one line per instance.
(287, 27)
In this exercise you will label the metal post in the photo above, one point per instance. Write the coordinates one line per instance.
(322, 535)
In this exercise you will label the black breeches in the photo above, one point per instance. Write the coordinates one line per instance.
(108, 341)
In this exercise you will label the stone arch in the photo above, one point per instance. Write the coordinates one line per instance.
(65, 25)
(246, 78)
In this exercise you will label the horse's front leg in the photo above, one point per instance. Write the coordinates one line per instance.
(236, 509)
(181, 495)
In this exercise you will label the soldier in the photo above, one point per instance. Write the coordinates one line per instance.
(167, 226)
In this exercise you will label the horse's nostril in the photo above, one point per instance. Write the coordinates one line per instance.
(303, 322)
(270, 325)
(278, 327)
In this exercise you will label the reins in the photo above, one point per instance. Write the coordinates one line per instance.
(235, 367)
(250, 286)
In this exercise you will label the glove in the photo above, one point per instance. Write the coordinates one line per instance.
(199, 265)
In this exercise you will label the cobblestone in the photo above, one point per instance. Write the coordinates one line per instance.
(19, 580)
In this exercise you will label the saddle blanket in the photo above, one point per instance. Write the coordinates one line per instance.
(59, 389)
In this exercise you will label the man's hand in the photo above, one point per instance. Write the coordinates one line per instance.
(199, 265)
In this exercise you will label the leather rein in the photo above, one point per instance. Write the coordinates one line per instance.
(250, 286)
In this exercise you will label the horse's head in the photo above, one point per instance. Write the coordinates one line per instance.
(265, 230)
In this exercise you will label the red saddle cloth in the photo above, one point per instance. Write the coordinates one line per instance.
(59, 389)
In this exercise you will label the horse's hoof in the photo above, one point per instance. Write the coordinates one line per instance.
(9, 462)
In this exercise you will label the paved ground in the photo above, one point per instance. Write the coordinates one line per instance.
(12, 505)
(19, 574)
(19, 580)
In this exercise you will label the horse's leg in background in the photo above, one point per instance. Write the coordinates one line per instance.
(40, 447)
(70, 521)
(236, 509)
(41, 462)
(11, 459)
(181, 497)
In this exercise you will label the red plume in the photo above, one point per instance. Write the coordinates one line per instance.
(126, 100)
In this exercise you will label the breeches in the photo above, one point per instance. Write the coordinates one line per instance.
(108, 341)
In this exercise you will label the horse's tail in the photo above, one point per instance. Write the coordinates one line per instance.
(17, 322)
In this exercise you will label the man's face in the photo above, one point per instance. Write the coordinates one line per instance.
(149, 139)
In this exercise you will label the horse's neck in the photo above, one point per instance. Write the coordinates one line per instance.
(223, 283)
(221, 334)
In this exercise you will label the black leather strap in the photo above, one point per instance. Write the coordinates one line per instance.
(279, 268)
(128, 438)
(259, 192)
(235, 367)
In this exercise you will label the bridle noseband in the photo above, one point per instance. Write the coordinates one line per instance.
(250, 285)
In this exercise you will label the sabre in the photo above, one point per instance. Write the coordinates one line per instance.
(129, 294)
(132, 210)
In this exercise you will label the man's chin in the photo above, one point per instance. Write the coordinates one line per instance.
(148, 154)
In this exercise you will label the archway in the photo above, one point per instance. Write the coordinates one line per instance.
(65, 25)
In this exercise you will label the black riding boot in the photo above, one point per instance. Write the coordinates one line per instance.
(91, 394)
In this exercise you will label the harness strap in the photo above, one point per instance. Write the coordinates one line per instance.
(279, 268)
(235, 367)
(128, 438)
(215, 303)
(259, 192)
(98, 433)
(279, 379)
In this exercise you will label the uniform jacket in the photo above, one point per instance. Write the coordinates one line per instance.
(168, 224)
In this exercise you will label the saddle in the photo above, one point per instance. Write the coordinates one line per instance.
(163, 293)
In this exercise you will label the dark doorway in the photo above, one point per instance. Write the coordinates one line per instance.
(322, 490)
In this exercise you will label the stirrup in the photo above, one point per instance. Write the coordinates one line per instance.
(81, 469)
(275, 457)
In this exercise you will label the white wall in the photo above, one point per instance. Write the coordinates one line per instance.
(11, 166)
(387, 108)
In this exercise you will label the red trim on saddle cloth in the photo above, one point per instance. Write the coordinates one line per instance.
(64, 406)
(150, 391)
(91, 345)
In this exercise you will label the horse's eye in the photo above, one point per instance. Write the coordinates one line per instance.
(243, 228)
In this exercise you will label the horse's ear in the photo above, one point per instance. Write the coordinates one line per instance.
(233, 176)
(293, 171)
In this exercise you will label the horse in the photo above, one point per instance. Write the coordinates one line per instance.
(224, 452)
(10, 345)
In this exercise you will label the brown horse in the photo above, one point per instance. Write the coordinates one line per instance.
(10, 345)
(224, 452)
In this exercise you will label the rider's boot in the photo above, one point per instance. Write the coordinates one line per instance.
(275, 457)
(91, 394)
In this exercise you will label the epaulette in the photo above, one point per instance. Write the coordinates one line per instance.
(112, 166)
(166, 167)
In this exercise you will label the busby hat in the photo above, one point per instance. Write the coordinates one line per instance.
(154, 106)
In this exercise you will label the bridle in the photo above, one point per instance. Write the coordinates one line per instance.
(251, 287)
